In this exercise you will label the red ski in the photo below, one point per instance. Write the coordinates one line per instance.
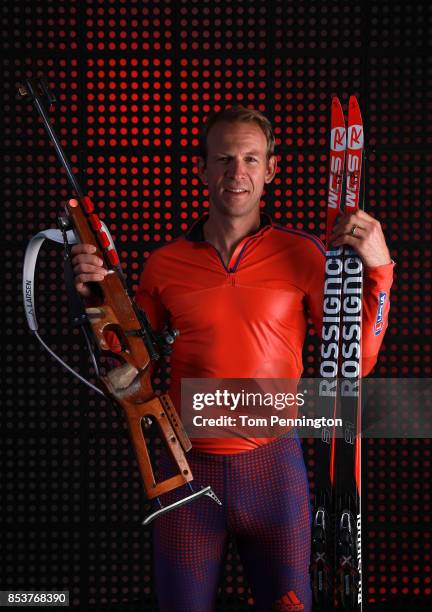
(336, 535)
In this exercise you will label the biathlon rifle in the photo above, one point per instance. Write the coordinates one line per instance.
(113, 318)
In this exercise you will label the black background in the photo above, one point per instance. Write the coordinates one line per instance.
(133, 81)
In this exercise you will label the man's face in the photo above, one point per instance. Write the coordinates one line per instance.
(237, 167)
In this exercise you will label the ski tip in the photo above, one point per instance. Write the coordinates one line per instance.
(353, 104)
(337, 121)
(336, 103)
(354, 114)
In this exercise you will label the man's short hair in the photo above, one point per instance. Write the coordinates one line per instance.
(236, 114)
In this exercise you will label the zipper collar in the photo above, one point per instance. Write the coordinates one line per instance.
(196, 231)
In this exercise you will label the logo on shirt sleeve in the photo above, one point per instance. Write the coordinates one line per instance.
(379, 320)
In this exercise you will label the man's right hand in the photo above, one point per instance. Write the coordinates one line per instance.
(87, 267)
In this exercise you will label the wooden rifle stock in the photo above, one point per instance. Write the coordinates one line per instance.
(114, 317)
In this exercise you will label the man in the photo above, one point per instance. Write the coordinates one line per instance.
(239, 289)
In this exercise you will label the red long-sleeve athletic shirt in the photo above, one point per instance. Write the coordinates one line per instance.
(248, 319)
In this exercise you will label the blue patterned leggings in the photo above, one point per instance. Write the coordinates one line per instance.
(265, 497)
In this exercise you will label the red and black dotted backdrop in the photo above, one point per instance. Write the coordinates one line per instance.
(134, 81)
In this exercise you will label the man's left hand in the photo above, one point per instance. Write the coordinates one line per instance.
(364, 234)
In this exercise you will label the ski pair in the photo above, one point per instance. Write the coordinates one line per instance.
(336, 570)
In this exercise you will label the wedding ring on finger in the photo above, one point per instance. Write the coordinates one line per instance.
(353, 230)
